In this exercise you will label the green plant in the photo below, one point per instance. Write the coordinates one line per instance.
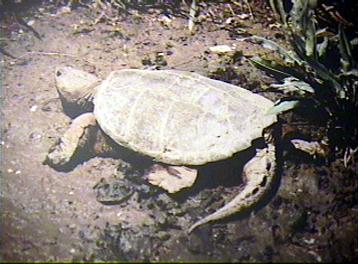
(319, 73)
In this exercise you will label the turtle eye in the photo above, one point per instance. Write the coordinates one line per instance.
(58, 73)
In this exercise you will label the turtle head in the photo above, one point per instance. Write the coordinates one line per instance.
(76, 89)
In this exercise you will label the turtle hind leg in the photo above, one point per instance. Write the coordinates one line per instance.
(260, 172)
(76, 145)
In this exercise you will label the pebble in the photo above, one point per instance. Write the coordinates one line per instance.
(163, 236)
(318, 257)
(221, 49)
(35, 136)
(165, 20)
(309, 241)
(31, 22)
(229, 20)
(33, 108)
(72, 226)
(243, 16)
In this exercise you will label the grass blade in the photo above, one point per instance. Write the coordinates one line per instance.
(277, 7)
(288, 56)
(345, 50)
(268, 66)
(283, 107)
(293, 85)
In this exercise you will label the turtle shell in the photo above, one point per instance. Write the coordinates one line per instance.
(179, 118)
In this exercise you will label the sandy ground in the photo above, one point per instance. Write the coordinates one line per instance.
(50, 215)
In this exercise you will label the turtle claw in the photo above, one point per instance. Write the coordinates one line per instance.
(56, 158)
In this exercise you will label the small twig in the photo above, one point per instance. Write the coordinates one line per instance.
(348, 154)
(249, 7)
(118, 4)
(7, 53)
(345, 158)
(188, 62)
(192, 15)
(231, 10)
(21, 22)
(99, 18)
(54, 54)
(101, 4)
(236, 3)
(45, 53)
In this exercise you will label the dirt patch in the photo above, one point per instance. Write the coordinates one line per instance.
(49, 215)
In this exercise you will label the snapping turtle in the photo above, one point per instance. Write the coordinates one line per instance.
(174, 117)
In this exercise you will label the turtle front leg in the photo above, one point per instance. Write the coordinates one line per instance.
(81, 135)
(260, 172)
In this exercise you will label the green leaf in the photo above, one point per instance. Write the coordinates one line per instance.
(352, 73)
(297, 15)
(321, 72)
(354, 42)
(269, 66)
(288, 56)
(311, 42)
(312, 3)
(322, 47)
(293, 85)
(283, 107)
(345, 50)
(324, 74)
(323, 32)
(277, 7)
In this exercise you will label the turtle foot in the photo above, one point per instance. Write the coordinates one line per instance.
(171, 178)
(65, 153)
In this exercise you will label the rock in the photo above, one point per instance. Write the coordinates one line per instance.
(113, 192)
(162, 235)
(221, 49)
(130, 243)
